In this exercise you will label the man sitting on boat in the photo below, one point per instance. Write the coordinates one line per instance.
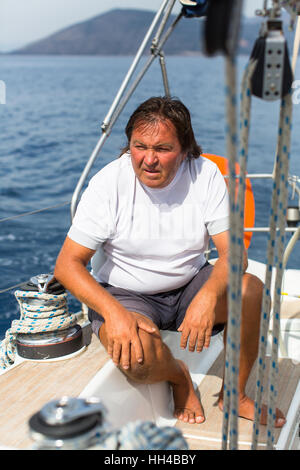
(153, 211)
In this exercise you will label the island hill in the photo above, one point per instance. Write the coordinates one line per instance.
(120, 32)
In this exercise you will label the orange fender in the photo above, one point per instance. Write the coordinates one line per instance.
(249, 209)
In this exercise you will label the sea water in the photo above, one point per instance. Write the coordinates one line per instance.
(51, 122)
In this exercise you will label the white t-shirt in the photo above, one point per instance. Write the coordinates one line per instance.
(154, 239)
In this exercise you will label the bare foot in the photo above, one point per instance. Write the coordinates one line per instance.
(246, 410)
(187, 405)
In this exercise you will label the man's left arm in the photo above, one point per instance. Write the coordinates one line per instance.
(196, 329)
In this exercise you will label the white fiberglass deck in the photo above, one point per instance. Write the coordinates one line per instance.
(27, 387)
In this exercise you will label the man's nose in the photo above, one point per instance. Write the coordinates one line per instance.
(150, 157)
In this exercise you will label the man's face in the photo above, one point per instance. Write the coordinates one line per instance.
(156, 153)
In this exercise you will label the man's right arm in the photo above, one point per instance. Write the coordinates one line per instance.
(71, 272)
(121, 326)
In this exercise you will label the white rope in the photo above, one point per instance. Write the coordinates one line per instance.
(282, 146)
(278, 213)
(284, 131)
(231, 394)
(278, 217)
(296, 45)
(292, 7)
(35, 318)
(231, 140)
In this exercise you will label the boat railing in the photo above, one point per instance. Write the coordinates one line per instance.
(292, 180)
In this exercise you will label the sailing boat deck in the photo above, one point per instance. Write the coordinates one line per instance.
(28, 386)
(207, 436)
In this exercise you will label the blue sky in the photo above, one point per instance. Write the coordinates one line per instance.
(24, 21)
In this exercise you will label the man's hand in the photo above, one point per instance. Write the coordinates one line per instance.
(121, 325)
(209, 306)
(196, 328)
(122, 336)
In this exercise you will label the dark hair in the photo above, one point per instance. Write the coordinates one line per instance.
(157, 109)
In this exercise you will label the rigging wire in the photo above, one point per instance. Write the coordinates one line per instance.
(7, 289)
(13, 217)
(6, 219)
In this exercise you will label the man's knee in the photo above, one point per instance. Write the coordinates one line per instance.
(252, 287)
(153, 352)
(252, 293)
(138, 372)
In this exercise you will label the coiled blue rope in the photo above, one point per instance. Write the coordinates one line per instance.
(50, 313)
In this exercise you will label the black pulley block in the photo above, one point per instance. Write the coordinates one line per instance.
(272, 78)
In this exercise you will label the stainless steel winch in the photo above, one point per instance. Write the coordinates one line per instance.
(46, 344)
(68, 424)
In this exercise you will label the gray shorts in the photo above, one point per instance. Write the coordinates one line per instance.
(165, 309)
